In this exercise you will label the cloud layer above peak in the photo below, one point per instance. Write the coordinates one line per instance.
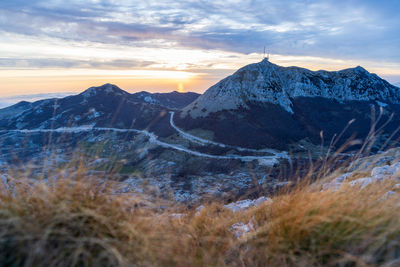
(162, 34)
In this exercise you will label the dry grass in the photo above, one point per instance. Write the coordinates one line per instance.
(328, 228)
(82, 224)
(74, 221)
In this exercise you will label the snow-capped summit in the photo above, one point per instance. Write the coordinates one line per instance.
(268, 82)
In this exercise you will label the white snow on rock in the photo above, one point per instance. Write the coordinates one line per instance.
(247, 203)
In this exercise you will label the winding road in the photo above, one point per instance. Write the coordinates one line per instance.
(268, 160)
(202, 141)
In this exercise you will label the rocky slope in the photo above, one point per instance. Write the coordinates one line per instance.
(173, 100)
(261, 106)
(265, 105)
(106, 106)
(267, 82)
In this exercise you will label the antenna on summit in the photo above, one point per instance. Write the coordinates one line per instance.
(266, 57)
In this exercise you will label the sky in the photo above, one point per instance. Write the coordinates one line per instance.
(64, 47)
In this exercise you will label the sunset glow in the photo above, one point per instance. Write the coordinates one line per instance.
(181, 89)
(46, 46)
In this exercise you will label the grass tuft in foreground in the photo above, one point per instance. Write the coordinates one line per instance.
(77, 223)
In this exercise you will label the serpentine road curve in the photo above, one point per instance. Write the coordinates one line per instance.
(202, 141)
(265, 160)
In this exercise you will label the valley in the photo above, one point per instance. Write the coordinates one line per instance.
(150, 141)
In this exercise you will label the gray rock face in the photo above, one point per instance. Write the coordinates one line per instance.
(267, 82)
(375, 171)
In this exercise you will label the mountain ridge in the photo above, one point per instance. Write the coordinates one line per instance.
(268, 82)
(266, 105)
(105, 105)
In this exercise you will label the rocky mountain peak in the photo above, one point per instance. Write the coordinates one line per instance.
(360, 69)
(268, 82)
(105, 89)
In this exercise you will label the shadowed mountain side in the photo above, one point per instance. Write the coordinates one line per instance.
(269, 125)
(104, 106)
(172, 100)
(266, 105)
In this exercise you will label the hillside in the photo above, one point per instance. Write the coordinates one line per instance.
(106, 106)
(266, 82)
(341, 220)
(265, 105)
(146, 141)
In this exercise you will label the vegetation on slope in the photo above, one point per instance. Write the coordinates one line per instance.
(82, 223)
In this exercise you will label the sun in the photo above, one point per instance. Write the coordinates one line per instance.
(181, 89)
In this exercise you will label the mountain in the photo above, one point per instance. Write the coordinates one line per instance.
(173, 100)
(266, 105)
(14, 109)
(266, 82)
(250, 125)
(103, 106)
(126, 137)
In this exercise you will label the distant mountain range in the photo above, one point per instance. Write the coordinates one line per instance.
(263, 114)
(106, 105)
(262, 105)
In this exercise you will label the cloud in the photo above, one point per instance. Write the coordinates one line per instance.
(8, 101)
(42, 63)
(363, 30)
